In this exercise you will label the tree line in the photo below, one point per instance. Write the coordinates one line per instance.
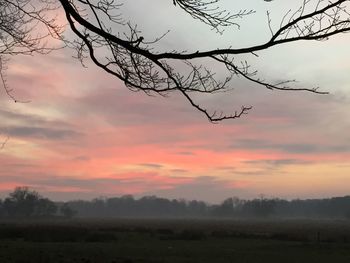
(23, 202)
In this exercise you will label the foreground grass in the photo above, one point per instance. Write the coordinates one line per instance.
(155, 241)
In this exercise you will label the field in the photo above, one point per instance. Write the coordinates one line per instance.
(170, 240)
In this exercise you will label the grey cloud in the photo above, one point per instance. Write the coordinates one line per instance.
(286, 161)
(206, 188)
(18, 165)
(225, 167)
(253, 173)
(100, 184)
(179, 170)
(277, 162)
(81, 158)
(96, 186)
(69, 182)
(120, 107)
(41, 132)
(23, 118)
(49, 180)
(33, 126)
(151, 165)
(298, 148)
(185, 153)
(27, 119)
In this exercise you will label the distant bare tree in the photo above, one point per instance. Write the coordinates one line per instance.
(135, 60)
(67, 211)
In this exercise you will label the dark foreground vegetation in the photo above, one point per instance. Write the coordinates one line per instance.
(34, 229)
(174, 240)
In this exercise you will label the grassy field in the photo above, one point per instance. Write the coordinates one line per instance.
(154, 240)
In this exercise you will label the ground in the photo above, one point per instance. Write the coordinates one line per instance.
(174, 240)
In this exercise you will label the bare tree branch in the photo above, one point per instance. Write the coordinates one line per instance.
(119, 47)
(20, 21)
(3, 143)
(6, 87)
(133, 59)
(206, 12)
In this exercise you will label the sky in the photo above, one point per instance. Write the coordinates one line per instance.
(84, 135)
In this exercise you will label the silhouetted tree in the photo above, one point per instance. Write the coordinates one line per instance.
(98, 205)
(264, 207)
(225, 208)
(23, 202)
(67, 211)
(45, 207)
(197, 208)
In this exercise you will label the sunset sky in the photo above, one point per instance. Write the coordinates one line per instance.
(85, 135)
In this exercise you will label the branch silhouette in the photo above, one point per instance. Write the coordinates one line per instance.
(99, 28)
(135, 61)
(19, 34)
(3, 143)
